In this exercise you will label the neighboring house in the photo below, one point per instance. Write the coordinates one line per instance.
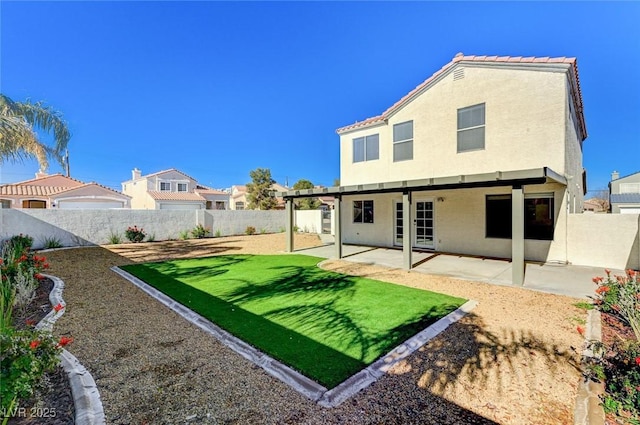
(595, 205)
(58, 191)
(239, 201)
(624, 193)
(482, 158)
(172, 190)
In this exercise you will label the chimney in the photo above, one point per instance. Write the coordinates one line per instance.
(615, 176)
(136, 174)
(40, 174)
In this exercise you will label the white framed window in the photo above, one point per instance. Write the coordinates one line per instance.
(363, 211)
(221, 205)
(471, 124)
(182, 187)
(366, 148)
(239, 205)
(165, 186)
(403, 141)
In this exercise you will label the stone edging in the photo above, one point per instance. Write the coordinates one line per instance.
(88, 406)
(299, 382)
(588, 410)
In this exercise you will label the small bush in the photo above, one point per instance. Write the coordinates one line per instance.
(52, 242)
(250, 230)
(218, 233)
(263, 231)
(151, 237)
(26, 356)
(115, 239)
(200, 231)
(282, 230)
(134, 234)
(184, 235)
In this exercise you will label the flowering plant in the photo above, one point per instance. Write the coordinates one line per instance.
(620, 295)
(26, 356)
(134, 234)
(619, 364)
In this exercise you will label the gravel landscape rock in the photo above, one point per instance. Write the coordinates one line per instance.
(513, 360)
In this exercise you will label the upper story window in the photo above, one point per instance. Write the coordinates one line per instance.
(182, 187)
(366, 148)
(165, 186)
(471, 128)
(403, 141)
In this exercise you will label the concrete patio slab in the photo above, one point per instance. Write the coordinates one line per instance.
(561, 279)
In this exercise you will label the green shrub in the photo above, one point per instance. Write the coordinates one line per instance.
(114, 238)
(619, 364)
(26, 356)
(200, 231)
(184, 234)
(52, 242)
(134, 234)
(250, 230)
(151, 237)
(218, 233)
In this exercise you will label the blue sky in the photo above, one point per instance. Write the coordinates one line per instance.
(218, 89)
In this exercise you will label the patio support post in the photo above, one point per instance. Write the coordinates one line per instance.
(289, 224)
(407, 231)
(517, 235)
(337, 216)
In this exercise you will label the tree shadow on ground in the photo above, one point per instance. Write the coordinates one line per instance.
(169, 250)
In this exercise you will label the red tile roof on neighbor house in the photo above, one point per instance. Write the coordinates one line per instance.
(46, 186)
(176, 196)
(460, 59)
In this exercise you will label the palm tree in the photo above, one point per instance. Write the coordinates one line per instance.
(18, 140)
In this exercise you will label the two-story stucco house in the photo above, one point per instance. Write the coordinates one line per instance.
(624, 193)
(482, 158)
(58, 191)
(172, 189)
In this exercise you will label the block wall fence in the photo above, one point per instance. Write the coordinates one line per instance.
(94, 227)
(599, 240)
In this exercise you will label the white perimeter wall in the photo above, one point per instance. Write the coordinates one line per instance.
(604, 240)
(309, 221)
(91, 227)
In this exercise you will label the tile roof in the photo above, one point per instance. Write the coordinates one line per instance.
(47, 186)
(30, 190)
(176, 196)
(163, 172)
(211, 191)
(461, 58)
(625, 198)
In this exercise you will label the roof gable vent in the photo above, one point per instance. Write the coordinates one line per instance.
(458, 74)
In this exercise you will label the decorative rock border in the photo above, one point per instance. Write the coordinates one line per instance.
(588, 410)
(86, 398)
(297, 381)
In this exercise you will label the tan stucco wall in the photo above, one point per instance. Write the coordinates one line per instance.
(526, 114)
(140, 199)
(604, 240)
(460, 223)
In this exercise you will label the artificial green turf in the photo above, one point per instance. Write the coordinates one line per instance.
(326, 325)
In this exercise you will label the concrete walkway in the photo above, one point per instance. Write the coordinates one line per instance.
(562, 279)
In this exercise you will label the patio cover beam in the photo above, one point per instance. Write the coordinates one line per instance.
(337, 211)
(289, 224)
(517, 236)
(495, 179)
(407, 231)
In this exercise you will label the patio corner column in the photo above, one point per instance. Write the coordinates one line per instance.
(289, 224)
(517, 236)
(407, 231)
(337, 216)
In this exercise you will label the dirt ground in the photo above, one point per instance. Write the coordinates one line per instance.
(513, 360)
